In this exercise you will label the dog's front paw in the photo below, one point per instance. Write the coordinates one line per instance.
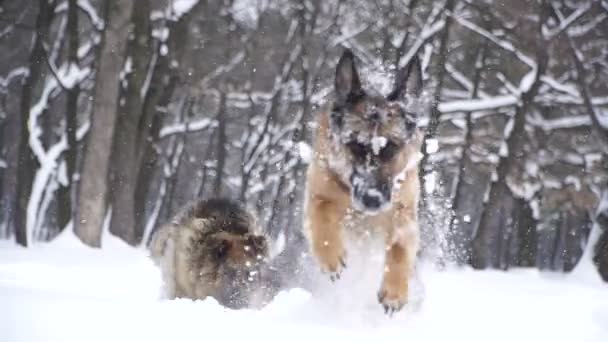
(332, 260)
(335, 271)
(392, 297)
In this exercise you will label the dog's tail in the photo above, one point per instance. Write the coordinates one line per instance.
(159, 242)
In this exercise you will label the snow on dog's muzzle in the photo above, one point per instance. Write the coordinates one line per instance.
(369, 194)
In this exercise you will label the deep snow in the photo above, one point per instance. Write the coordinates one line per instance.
(63, 291)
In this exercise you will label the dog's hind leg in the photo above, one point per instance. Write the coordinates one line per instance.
(162, 253)
(159, 242)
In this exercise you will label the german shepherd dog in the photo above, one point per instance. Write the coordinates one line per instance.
(364, 176)
(212, 248)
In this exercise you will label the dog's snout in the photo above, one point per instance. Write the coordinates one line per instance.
(370, 193)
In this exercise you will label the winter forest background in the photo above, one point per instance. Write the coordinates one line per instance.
(119, 112)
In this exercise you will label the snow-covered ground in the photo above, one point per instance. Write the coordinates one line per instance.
(63, 291)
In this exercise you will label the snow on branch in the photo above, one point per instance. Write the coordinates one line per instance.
(234, 61)
(69, 76)
(86, 7)
(485, 102)
(50, 86)
(565, 22)
(43, 184)
(559, 123)
(91, 12)
(8, 29)
(17, 72)
(184, 127)
(569, 89)
(49, 165)
(462, 80)
(345, 36)
(178, 8)
(68, 73)
(581, 30)
(478, 104)
(492, 38)
(565, 99)
(430, 28)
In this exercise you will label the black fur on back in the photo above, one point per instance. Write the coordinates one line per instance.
(225, 215)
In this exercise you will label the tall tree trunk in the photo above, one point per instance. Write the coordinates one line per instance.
(65, 193)
(431, 129)
(10, 133)
(165, 79)
(26, 161)
(468, 181)
(499, 208)
(125, 147)
(527, 235)
(94, 177)
(576, 225)
(600, 250)
(221, 146)
(501, 200)
(600, 255)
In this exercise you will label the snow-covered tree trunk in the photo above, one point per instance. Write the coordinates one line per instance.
(496, 223)
(65, 193)
(165, 77)
(221, 146)
(469, 181)
(10, 130)
(92, 194)
(439, 76)
(600, 249)
(125, 161)
(26, 163)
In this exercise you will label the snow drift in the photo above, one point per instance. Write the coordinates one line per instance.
(64, 291)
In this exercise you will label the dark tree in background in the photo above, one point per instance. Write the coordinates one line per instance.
(92, 194)
(65, 194)
(115, 113)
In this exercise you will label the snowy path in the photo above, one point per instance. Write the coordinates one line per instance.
(65, 292)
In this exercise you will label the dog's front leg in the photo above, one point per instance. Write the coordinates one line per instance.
(398, 267)
(401, 247)
(324, 225)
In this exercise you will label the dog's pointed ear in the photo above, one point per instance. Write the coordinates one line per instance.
(408, 81)
(347, 83)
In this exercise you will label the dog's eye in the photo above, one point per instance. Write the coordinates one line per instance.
(222, 249)
(410, 125)
(257, 242)
(357, 148)
(410, 121)
(374, 116)
(336, 119)
(388, 151)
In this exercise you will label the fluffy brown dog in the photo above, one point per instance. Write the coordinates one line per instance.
(212, 248)
(364, 176)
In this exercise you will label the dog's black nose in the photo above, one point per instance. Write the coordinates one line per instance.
(371, 202)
